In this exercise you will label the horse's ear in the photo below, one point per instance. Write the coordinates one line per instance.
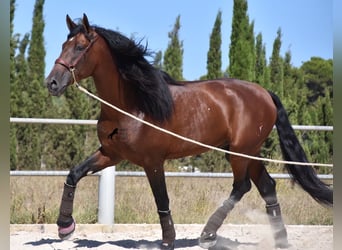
(71, 25)
(86, 23)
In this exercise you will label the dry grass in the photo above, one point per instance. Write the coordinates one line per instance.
(192, 200)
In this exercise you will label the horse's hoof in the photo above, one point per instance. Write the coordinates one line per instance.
(281, 239)
(282, 244)
(65, 233)
(167, 246)
(207, 240)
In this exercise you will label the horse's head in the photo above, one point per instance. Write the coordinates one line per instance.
(76, 60)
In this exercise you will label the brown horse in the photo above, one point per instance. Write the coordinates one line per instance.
(226, 113)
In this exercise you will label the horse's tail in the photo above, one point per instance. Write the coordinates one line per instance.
(291, 149)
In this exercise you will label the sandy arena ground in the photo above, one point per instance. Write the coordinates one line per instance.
(147, 236)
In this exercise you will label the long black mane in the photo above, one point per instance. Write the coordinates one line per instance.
(149, 85)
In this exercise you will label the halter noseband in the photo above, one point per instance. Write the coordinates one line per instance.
(71, 66)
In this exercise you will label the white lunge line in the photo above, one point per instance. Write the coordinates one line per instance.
(193, 141)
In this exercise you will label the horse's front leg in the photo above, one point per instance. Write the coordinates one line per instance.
(65, 221)
(156, 179)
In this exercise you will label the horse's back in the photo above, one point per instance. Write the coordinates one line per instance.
(238, 94)
(241, 111)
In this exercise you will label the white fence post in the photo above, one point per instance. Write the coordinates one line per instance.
(106, 196)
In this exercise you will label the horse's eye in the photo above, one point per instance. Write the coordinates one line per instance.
(79, 47)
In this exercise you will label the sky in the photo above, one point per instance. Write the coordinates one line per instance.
(307, 25)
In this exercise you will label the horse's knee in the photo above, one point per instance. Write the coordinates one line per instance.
(71, 179)
(76, 173)
(240, 188)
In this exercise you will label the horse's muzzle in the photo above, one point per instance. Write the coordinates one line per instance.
(55, 87)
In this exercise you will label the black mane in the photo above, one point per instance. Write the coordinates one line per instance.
(149, 85)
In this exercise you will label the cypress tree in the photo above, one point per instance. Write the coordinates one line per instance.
(241, 49)
(275, 85)
(287, 70)
(173, 56)
(290, 97)
(20, 99)
(276, 67)
(13, 97)
(251, 51)
(13, 41)
(260, 62)
(36, 61)
(213, 161)
(33, 97)
(157, 62)
(19, 70)
(36, 53)
(214, 61)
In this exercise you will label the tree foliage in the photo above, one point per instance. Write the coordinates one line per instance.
(173, 56)
(261, 73)
(14, 103)
(241, 49)
(276, 67)
(158, 60)
(214, 57)
(317, 77)
(39, 146)
(27, 76)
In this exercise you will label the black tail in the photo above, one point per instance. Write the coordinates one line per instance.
(305, 176)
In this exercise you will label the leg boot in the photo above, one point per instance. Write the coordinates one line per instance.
(208, 236)
(168, 230)
(277, 225)
(65, 222)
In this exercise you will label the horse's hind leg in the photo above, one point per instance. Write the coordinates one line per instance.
(241, 186)
(266, 186)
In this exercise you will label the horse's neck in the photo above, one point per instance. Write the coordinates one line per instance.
(107, 82)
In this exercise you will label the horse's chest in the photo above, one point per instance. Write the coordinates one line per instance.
(116, 137)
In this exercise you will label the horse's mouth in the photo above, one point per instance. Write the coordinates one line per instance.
(56, 91)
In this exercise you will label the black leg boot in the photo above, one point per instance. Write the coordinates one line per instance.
(65, 222)
(168, 230)
(277, 225)
(208, 236)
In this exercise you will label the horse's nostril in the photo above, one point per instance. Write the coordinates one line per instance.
(52, 84)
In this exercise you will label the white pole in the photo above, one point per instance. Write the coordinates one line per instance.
(106, 196)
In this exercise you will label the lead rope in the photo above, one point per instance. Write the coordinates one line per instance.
(188, 139)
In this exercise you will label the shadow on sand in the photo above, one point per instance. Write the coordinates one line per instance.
(222, 243)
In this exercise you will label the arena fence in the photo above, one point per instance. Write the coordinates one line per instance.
(106, 190)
